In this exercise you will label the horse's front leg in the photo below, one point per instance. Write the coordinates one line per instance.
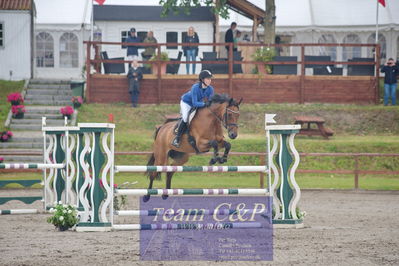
(213, 144)
(227, 147)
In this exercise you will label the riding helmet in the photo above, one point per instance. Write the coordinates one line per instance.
(205, 74)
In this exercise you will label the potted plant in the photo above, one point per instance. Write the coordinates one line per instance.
(67, 111)
(18, 111)
(5, 136)
(64, 216)
(1, 159)
(264, 54)
(15, 98)
(77, 101)
(164, 57)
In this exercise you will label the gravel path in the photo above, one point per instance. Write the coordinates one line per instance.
(341, 228)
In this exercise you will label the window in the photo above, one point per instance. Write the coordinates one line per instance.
(124, 35)
(328, 50)
(142, 35)
(44, 50)
(69, 50)
(1, 34)
(397, 48)
(351, 52)
(171, 37)
(383, 46)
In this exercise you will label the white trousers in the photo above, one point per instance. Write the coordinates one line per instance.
(184, 110)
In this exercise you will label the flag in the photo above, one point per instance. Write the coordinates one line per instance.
(382, 2)
(101, 2)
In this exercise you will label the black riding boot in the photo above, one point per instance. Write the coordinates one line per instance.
(180, 131)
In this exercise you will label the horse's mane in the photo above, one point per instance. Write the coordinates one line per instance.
(222, 98)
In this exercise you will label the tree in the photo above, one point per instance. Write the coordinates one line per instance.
(219, 7)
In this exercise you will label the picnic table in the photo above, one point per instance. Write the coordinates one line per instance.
(309, 131)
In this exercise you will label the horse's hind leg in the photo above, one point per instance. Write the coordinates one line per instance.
(160, 158)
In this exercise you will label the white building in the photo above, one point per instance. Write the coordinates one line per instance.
(60, 29)
(16, 32)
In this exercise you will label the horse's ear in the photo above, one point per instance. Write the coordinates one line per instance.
(240, 101)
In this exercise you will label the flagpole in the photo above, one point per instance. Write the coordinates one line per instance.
(92, 22)
(376, 25)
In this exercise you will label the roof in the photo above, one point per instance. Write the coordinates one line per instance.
(148, 13)
(16, 4)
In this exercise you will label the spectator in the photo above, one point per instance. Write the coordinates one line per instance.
(134, 75)
(190, 52)
(236, 40)
(149, 50)
(246, 38)
(229, 37)
(132, 51)
(391, 71)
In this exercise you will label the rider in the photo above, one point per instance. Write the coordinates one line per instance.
(199, 96)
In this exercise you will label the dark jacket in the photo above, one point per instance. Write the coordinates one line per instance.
(190, 39)
(391, 74)
(133, 50)
(134, 76)
(196, 96)
(229, 37)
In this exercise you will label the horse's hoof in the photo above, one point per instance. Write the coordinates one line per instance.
(222, 160)
(146, 198)
(164, 197)
(212, 161)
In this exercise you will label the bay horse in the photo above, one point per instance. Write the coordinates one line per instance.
(206, 128)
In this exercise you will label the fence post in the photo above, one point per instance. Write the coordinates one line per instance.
(262, 161)
(356, 157)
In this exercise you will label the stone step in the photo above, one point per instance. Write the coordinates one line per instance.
(23, 158)
(26, 139)
(39, 116)
(25, 127)
(35, 97)
(49, 92)
(49, 86)
(21, 145)
(46, 102)
(50, 122)
(43, 109)
(49, 81)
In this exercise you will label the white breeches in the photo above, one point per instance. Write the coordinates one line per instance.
(184, 110)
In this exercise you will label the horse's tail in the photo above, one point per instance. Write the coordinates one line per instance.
(151, 160)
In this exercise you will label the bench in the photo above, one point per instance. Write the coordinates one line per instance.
(309, 131)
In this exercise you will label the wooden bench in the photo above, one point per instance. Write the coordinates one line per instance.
(309, 131)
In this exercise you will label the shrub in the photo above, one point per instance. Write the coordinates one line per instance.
(67, 110)
(64, 217)
(15, 97)
(18, 109)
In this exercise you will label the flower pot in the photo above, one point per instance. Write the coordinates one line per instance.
(18, 115)
(155, 69)
(15, 103)
(67, 116)
(76, 105)
(63, 228)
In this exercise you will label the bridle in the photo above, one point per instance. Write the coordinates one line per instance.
(224, 120)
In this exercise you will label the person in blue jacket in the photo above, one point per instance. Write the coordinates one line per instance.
(199, 96)
(132, 51)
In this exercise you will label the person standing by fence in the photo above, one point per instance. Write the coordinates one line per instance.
(391, 71)
(190, 52)
(135, 75)
(132, 50)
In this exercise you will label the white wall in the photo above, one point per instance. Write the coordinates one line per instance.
(111, 32)
(16, 53)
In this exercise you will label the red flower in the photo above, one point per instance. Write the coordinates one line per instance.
(9, 133)
(15, 97)
(77, 99)
(17, 109)
(67, 110)
(1, 159)
(4, 137)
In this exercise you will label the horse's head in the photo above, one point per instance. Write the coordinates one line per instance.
(231, 115)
